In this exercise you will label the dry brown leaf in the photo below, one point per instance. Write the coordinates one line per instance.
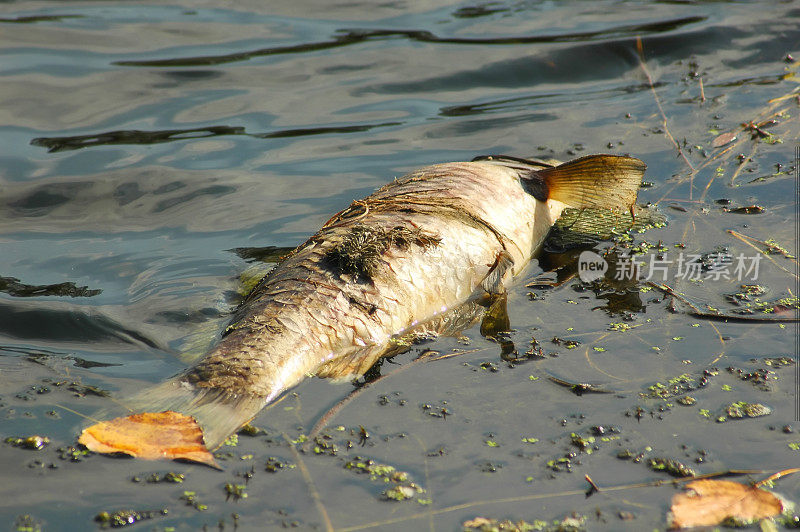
(150, 435)
(710, 502)
(725, 138)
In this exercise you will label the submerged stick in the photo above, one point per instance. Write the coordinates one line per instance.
(695, 311)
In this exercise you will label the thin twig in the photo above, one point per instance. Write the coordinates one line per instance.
(664, 124)
(427, 482)
(578, 388)
(310, 483)
(539, 496)
(592, 364)
(740, 167)
(666, 289)
(721, 341)
(332, 411)
(594, 488)
(712, 316)
(84, 416)
(778, 475)
(770, 112)
(746, 238)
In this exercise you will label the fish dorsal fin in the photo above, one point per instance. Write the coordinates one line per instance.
(599, 181)
(518, 163)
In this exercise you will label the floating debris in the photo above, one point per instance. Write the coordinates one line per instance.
(743, 409)
(441, 410)
(235, 491)
(73, 454)
(191, 500)
(578, 388)
(679, 385)
(250, 430)
(671, 467)
(403, 488)
(779, 361)
(82, 390)
(34, 443)
(275, 464)
(324, 445)
(569, 344)
(123, 518)
(27, 523)
(573, 523)
(724, 138)
(585, 444)
(750, 209)
(400, 493)
(157, 478)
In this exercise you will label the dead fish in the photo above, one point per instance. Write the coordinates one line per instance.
(397, 262)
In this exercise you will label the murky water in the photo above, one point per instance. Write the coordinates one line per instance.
(144, 144)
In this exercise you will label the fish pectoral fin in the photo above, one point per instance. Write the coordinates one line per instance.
(599, 181)
(351, 365)
(496, 320)
(492, 283)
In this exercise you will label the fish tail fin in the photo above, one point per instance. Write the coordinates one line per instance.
(594, 181)
(212, 413)
(218, 413)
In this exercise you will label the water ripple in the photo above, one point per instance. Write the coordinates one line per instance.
(349, 37)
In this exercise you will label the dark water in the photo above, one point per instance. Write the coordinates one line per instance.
(142, 144)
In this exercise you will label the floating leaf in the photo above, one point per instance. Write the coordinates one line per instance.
(150, 436)
(710, 502)
(725, 138)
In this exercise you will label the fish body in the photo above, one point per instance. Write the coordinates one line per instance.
(413, 250)
(401, 259)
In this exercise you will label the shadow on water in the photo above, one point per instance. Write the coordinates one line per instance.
(73, 325)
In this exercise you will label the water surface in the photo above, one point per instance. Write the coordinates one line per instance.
(142, 143)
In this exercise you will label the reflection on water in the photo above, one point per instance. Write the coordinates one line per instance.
(349, 37)
(54, 144)
(14, 287)
(155, 158)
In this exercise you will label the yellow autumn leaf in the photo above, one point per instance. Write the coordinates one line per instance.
(150, 436)
(710, 502)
